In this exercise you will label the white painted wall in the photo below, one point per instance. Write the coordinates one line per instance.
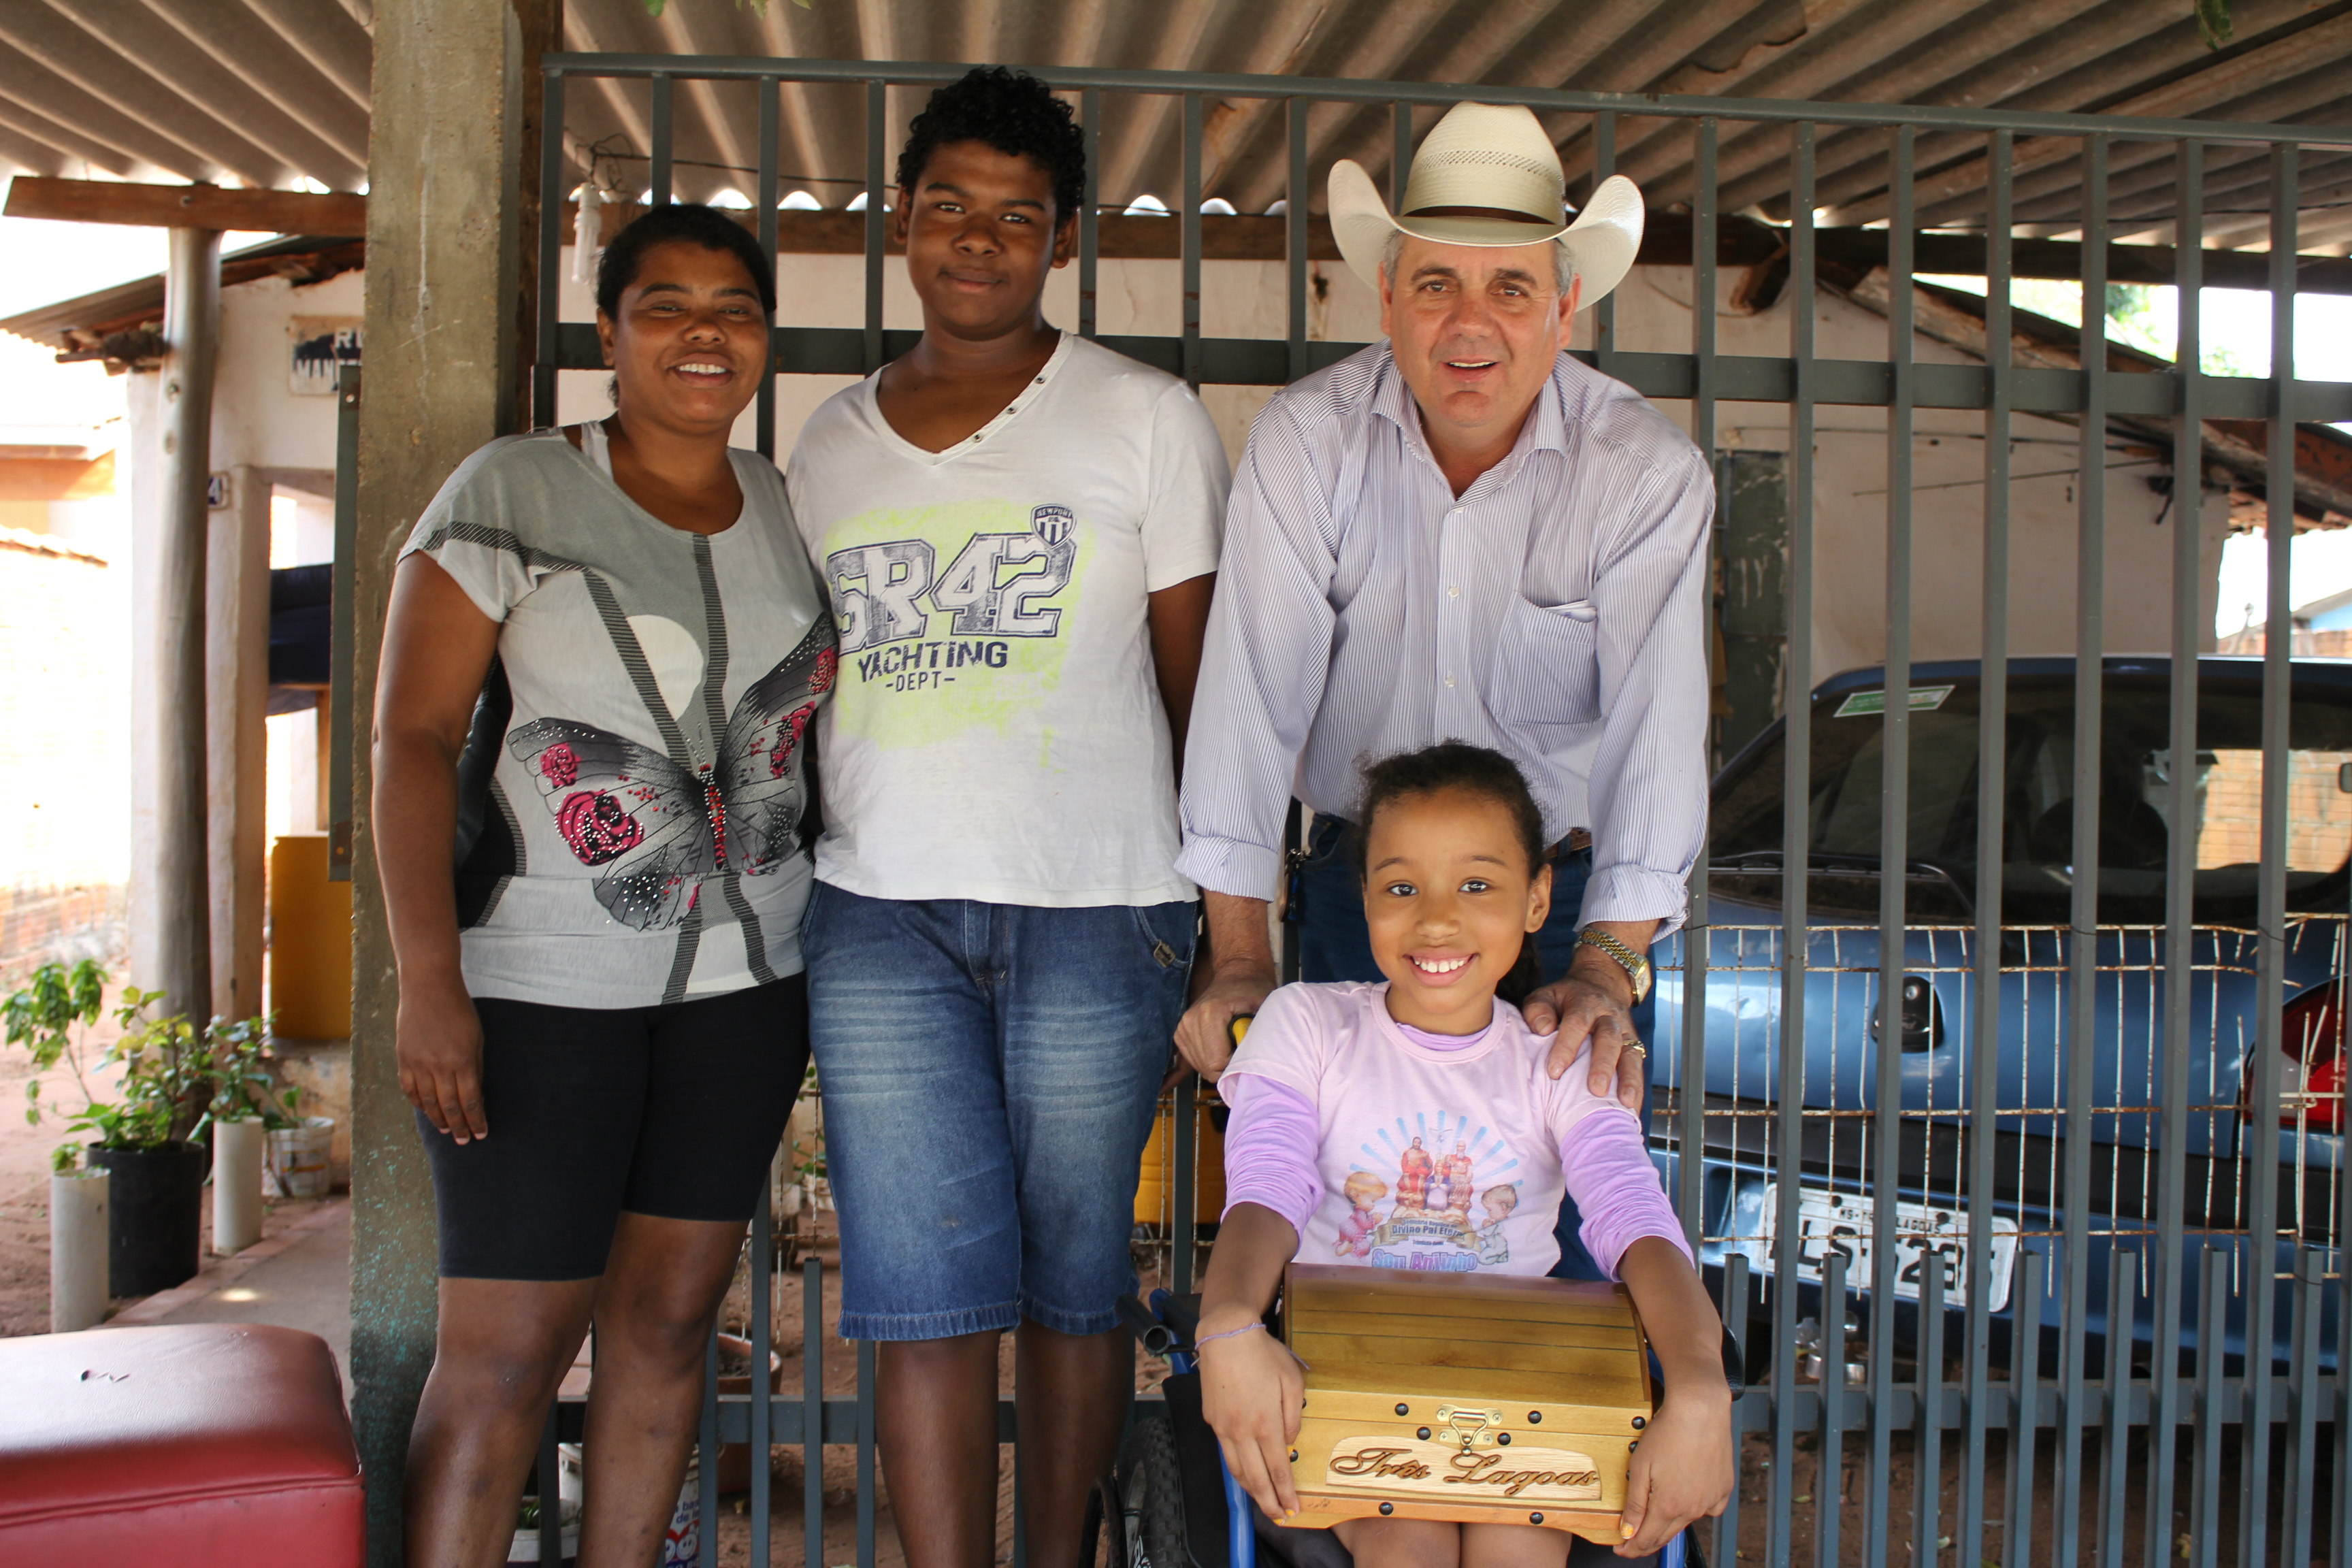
(1948, 498)
(258, 418)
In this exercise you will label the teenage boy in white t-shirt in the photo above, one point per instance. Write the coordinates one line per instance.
(1019, 532)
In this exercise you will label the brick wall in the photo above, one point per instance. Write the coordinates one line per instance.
(2319, 811)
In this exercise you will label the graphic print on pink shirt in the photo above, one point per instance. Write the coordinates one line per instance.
(1429, 1226)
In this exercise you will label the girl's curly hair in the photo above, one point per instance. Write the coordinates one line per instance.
(1011, 112)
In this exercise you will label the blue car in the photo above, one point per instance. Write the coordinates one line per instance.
(1933, 1029)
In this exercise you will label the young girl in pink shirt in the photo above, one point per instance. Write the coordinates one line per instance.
(1340, 1093)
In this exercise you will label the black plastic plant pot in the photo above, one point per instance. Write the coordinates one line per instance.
(156, 1199)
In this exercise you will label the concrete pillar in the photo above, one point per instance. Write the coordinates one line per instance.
(453, 144)
(182, 898)
(237, 781)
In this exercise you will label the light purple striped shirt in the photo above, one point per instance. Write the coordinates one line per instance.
(1555, 611)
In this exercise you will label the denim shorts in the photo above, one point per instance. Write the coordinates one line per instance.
(989, 1073)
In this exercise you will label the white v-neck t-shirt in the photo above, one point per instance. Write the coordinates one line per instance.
(997, 733)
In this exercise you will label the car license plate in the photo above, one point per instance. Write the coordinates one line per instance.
(1925, 1237)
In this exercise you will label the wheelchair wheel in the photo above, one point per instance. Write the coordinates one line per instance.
(1153, 1484)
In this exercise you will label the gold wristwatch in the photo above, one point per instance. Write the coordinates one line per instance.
(1636, 966)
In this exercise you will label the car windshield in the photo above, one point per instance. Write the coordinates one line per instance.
(2037, 829)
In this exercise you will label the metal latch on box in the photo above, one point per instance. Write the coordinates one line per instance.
(1466, 1424)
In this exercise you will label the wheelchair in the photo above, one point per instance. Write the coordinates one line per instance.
(1170, 1502)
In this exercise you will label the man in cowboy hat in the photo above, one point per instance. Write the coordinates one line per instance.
(1462, 533)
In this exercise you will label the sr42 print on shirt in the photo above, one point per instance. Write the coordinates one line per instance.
(963, 616)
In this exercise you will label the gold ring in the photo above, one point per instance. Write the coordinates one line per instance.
(1639, 1049)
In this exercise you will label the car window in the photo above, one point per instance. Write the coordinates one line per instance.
(2133, 779)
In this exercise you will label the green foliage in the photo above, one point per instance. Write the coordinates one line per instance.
(2213, 22)
(2141, 315)
(52, 1018)
(2132, 319)
(174, 1079)
(166, 1080)
(244, 1087)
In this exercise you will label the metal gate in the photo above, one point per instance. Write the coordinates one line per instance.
(2235, 1219)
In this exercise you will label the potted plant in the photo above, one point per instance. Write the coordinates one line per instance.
(145, 1140)
(52, 1018)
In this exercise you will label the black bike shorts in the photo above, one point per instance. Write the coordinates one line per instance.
(670, 1112)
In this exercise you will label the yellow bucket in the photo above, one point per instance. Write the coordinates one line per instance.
(1155, 1190)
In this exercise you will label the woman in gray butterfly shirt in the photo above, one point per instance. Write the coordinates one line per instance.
(603, 1016)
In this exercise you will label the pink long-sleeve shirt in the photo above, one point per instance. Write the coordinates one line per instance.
(1393, 1148)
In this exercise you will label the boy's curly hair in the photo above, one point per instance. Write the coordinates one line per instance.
(1011, 112)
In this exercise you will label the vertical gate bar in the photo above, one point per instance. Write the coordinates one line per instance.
(665, 126)
(812, 1416)
(1928, 1426)
(1733, 1308)
(2083, 941)
(1605, 314)
(2340, 1532)
(762, 1337)
(551, 254)
(2024, 1409)
(1191, 240)
(1795, 838)
(1992, 767)
(343, 643)
(1829, 1479)
(2168, 1269)
(1089, 216)
(1690, 1076)
(1296, 197)
(1894, 828)
(866, 1467)
(549, 1480)
(2260, 1183)
(1294, 834)
(1400, 153)
(2115, 1448)
(706, 1504)
(2205, 1496)
(2303, 1406)
(877, 131)
(1183, 1227)
(763, 417)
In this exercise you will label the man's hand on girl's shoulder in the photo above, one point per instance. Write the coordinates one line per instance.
(1589, 1004)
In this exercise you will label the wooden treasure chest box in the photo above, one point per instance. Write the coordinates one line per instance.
(1477, 1398)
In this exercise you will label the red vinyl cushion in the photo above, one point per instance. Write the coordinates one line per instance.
(181, 1444)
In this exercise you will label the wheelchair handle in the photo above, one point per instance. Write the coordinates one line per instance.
(1156, 1337)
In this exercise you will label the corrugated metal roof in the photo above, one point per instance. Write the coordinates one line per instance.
(275, 92)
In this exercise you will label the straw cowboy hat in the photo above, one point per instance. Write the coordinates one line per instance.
(1496, 158)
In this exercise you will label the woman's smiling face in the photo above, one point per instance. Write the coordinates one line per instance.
(691, 340)
(1449, 899)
